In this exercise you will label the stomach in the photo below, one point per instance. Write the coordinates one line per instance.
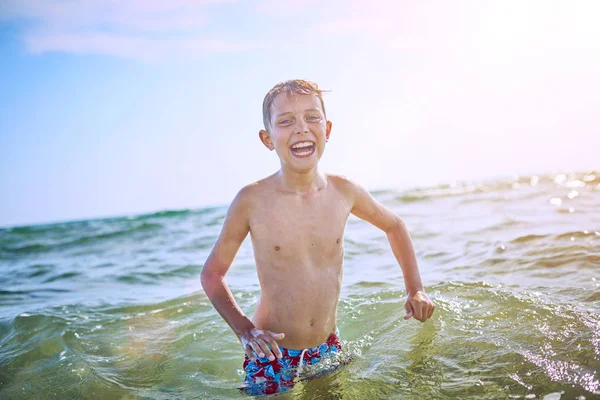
(303, 307)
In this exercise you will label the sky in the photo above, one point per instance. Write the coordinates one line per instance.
(111, 108)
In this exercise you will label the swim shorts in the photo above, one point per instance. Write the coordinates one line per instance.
(268, 377)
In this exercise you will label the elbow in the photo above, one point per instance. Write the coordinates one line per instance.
(204, 279)
(209, 280)
(395, 226)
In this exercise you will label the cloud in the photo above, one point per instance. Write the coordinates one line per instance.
(183, 29)
(289, 8)
(139, 29)
(488, 26)
(146, 49)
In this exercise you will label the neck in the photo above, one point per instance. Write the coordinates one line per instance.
(301, 182)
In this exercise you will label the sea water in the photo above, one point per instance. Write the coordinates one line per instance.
(113, 308)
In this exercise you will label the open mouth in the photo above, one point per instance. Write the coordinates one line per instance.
(303, 149)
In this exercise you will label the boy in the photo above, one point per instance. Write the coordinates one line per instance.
(296, 219)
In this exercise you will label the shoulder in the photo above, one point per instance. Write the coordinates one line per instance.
(340, 181)
(347, 186)
(362, 203)
(250, 194)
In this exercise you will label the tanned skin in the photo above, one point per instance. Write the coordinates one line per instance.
(296, 219)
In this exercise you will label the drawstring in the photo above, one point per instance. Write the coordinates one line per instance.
(301, 360)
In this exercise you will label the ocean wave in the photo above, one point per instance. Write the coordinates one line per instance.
(12, 297)
(63, 276)
(28, 248)
(145, 227)
(514, 281)
(465, 188)
(41, 229)
(593, 297)
(145, 277)
(167, 214)
(36, 270)
(528, 238)
(51, 245)
(584, 234)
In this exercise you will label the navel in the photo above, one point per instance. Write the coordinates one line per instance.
(338, 241)
(312, 322)
(277, 248)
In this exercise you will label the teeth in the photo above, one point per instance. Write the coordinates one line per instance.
(302, 144)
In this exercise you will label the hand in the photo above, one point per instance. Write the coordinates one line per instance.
(418, 305)
(259, 341)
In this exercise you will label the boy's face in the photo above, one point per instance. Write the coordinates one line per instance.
(298, 130)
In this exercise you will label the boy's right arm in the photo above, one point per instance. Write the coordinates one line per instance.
(234, 231)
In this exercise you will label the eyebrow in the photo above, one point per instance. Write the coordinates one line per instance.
(289, 112)
(314, 109)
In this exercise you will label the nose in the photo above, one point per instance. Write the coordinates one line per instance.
(300, 126)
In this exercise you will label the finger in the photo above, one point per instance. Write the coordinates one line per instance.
(426, 312)
(275, 348)
(249, 353)
(265, 349)
(409, 311)
(276, 336)
(273, 343)
(418, 312)
(257, 349)
(431, 308)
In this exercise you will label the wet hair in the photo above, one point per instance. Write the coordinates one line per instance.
(291, 87)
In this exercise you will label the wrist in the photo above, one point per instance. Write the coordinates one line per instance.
(414, 290)
(244, 328)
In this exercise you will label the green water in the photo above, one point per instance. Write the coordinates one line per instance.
(113, 308)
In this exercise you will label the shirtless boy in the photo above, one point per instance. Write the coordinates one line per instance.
(296, 219)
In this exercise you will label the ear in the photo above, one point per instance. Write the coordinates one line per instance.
(328, 130)
(265, 138)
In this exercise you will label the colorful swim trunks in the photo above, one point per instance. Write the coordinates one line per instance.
(268, 377)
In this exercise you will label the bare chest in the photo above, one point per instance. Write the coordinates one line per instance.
(298, 227)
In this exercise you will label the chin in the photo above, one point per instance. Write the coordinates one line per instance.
(303, 167)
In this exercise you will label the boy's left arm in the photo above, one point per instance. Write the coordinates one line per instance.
(418, 304)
